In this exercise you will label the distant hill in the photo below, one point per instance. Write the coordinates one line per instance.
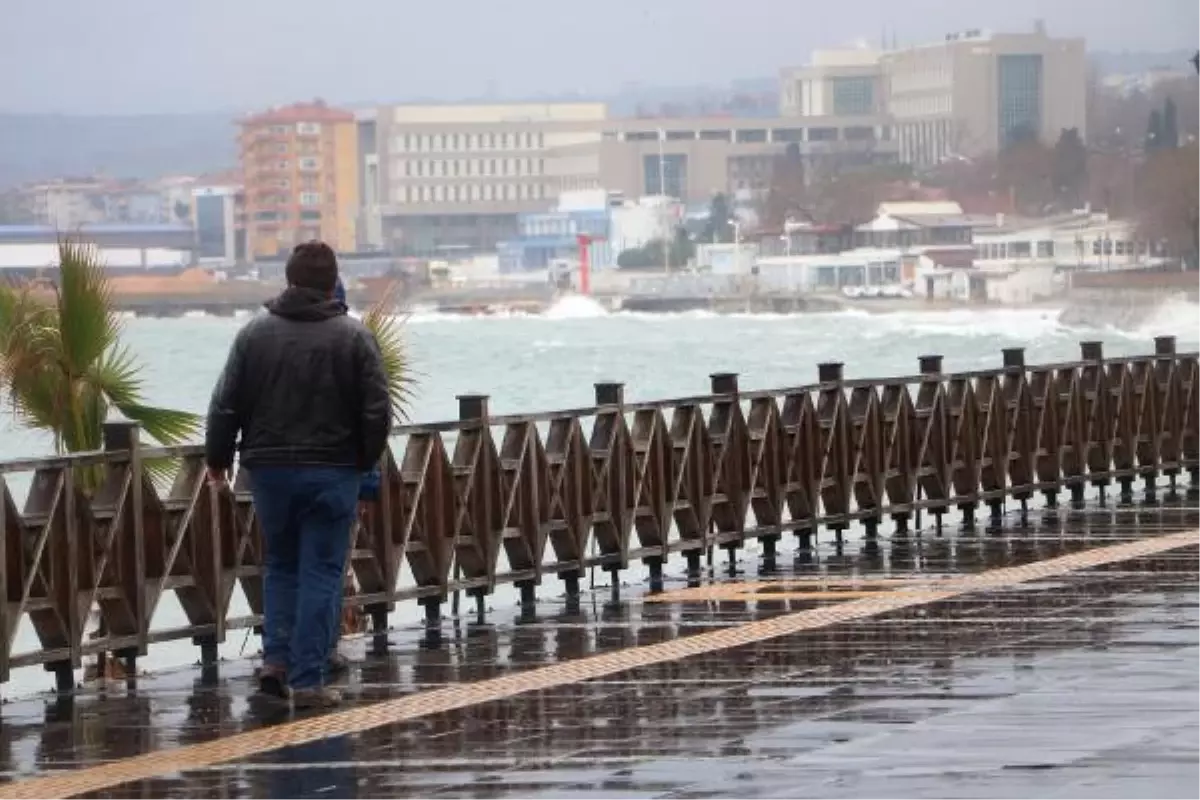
(41, 146)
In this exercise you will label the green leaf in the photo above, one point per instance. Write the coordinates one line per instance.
(388, 330)
(87, 324)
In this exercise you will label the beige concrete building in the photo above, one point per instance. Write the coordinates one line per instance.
(835, 83)
(446, 177)
(693, 158)
(971, 93)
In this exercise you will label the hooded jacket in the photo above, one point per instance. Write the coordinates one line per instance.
(303, 385)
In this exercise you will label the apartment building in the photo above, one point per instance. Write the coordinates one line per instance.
(973, 92)
(441, 178)
(300, 171)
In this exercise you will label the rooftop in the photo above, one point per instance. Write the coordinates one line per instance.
(316, 111)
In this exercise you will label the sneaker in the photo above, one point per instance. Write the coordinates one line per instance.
(272, 681)
(316, 697)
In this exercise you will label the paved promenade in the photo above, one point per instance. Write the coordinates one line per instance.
(1058, 660)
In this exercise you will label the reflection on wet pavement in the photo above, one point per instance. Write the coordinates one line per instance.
(1083, 685)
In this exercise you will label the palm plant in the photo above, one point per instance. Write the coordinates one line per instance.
(62, 363)
(381, 320)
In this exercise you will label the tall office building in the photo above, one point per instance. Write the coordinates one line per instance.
(300, 168)
(972, 93)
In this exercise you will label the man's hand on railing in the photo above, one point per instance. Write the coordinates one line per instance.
(217, 478)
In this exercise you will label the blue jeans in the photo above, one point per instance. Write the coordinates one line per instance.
(305, 514)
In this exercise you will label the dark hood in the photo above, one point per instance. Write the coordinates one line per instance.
(305, 305)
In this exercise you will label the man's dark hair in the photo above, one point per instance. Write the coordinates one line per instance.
(313, 265)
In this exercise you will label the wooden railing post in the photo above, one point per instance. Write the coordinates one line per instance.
(472, 407)
(933, 434)
(612, 520)
(129, 543)
(836, 487)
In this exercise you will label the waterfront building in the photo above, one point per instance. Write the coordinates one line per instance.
(299, 164)
(973, 92)
(1080, 240)
(550, 239)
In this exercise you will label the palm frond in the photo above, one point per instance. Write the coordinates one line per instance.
(388, 330)
(87, 324)
(164, 425)
(63, 365)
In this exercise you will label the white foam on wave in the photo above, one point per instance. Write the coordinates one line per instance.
(1025, 323)
(575, 306)
(1175, 317)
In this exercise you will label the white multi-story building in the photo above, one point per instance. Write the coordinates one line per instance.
(457, 176)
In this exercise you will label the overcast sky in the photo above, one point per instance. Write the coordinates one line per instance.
(134, 56)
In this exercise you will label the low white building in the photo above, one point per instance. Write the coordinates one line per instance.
(828, 272)
(1080, 240)
(30, 259)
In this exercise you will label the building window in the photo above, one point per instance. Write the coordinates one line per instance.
(822, 134)
(1045, 249)
(1018, 97)
(641, 136)
(1095, 247)
(308, 128)
(1019, 249)
(716, 136)
(310, 163)
(859, 133)
(666, 175)
(310, 199)
(456, 164)
(278, 130)
(541, 141)
(853, 96)
(752, 135)
(310, 215)
(788, 135)
(281, 165)
(1121, 250)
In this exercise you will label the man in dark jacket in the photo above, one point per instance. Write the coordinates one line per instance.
(304, 385)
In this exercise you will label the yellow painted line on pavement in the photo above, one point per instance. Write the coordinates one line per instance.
(246, 745)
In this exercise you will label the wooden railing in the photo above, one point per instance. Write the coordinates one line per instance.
(606, 485)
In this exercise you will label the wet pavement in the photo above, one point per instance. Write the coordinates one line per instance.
(1083, 685)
